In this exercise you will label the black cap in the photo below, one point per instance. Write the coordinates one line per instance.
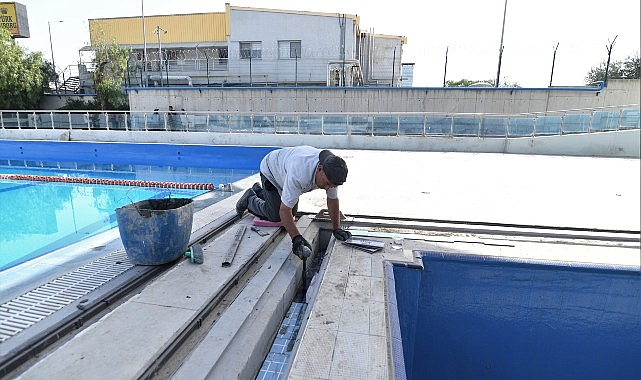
(334, 167)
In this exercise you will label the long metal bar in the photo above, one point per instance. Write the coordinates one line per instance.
(238, 237)
(491, 228)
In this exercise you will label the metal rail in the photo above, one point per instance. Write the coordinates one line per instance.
(492, 228)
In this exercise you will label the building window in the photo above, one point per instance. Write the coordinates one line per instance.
(251, 49)
(289, 49)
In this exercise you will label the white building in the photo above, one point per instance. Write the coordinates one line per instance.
(251, 46)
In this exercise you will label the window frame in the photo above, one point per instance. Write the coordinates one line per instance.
(290, 47)
(255, 47)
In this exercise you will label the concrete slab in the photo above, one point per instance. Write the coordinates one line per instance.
(136, 332)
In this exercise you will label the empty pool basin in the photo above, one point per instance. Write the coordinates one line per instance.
(156, 231)
(478, 317)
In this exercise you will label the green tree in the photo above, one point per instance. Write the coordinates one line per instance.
(625, 69)
(49, 76)
(468, 83)
(21, 75)
(460, 83)
(109, 76)
(631, 67)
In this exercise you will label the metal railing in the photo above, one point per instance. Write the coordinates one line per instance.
(367, 124)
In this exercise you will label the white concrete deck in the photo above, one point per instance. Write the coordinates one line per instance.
(346, 335)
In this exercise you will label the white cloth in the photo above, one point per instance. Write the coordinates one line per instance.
(292, 171)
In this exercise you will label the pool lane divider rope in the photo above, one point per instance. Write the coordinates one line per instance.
(106, 181)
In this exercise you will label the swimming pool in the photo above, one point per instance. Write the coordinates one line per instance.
(477, 317)
(40, 214)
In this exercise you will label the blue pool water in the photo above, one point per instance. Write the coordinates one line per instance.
(472, 317)
(37, 217)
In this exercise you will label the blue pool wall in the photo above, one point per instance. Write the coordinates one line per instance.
(478, 317)
(210, 156)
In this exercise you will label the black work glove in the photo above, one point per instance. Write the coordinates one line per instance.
(341, 234)
(301, 247)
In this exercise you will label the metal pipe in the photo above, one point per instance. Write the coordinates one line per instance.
(498, 71)
(53, 61)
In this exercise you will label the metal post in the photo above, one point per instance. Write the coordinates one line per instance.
(144, 41)
(445, 70)
(393, 66)
(498, 71)
(157, 31)
(53, 61)
(607, 65)
(553, 59)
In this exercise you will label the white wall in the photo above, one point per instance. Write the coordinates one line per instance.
(320, 42)
(377, 99)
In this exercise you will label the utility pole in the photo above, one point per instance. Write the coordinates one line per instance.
(445, 70)
(157, 31)
(53, 61)
(553, 59)
(607, 66)
(393, 66)
(144, 41)
(498, 71)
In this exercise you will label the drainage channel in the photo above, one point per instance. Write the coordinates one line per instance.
(278, 360)
(187, 339)
(32, 322)
(37, 319)
(493, 228)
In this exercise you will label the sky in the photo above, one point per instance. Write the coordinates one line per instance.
(468, 30)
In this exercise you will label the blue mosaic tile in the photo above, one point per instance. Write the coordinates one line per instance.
(277, 360)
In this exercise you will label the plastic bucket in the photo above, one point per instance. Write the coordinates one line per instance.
(155, 231)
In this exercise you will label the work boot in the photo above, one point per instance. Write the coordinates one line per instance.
(242, 203)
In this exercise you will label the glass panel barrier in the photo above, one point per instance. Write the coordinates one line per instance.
(548, 125)
(198, 123)
(263, 124)
(227, 123)
(117, 122)
(576, 123)
(287, 124)
(136, 122)
(520, 126)
(60, 120)
(79, 121)
(493, 126)
(411, 125)
(334, 124)
(385, 125)
(27, 120)
(465, 126)
(44, 121)
(605, 121)
(630, 118)
(360, 125)
(10, 120)
(311, 125)
(438, 125)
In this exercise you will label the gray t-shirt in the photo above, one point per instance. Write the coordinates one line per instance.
(292, 171)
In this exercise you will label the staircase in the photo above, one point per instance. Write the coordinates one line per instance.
(70, 86)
